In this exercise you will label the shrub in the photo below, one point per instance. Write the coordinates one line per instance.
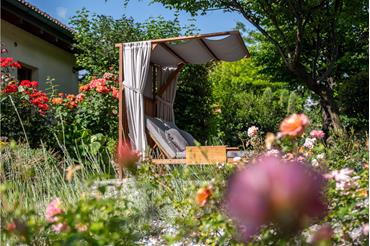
(24, 109)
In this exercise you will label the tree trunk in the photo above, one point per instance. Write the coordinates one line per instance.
(330, 111)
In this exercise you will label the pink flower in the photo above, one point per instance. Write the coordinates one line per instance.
(115, 93)
(80, 97)
(294, 125)
(365, 229)
(53, 209)
(288, 194)
(252, 131)
(317, 134)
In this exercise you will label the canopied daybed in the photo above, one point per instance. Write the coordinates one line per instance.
(148, 73)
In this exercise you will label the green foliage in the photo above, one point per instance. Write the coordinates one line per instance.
(194, 101)
(353, 96)
(243, 97)
(96, 36)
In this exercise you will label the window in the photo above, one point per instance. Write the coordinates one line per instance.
(26, 73)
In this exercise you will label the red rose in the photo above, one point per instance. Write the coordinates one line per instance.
(34, 83)
(10, 88)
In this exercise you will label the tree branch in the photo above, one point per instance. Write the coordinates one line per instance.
(249, 17)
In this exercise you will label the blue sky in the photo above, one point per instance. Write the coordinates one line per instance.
(140, 10)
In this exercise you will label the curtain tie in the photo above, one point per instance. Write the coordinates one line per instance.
(131, 88)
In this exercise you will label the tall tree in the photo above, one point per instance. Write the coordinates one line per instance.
(309, 36)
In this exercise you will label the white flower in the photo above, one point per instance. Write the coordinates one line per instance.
(236, 159)
(321, 156)
(315, 163)
(356, 233)
(252, 131)
(309, 143)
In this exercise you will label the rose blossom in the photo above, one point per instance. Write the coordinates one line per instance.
(294, 125)
(57, 100)
(317, 134)
(252, 131)
(80, 97)
(272, 190)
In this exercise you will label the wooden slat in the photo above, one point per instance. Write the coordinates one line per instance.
(208, 49)
(205, 154)
(170, 79)
(168, 48)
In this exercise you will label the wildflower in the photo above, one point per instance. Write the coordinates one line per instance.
(125, 156)
(323, 234)
(321, 156)
(365, 229)
(343, 178)
(52, 211)
(252, 131)
(269, 140)
(315, 163)
(317, 134)
(81, 227)
(203, 195)
(294, 125)
(10, 227)
(309, 143)
(10, 88)
(80, 97)
(290, 195)
(57, 100)
(70, 171)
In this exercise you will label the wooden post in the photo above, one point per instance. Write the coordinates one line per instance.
(122, 114)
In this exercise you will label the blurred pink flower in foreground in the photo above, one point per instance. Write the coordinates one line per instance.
(52, 210)
(288, 194)
(125, 157)
(317, 134)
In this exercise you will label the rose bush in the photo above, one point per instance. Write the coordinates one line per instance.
(24, 109)
(89, 118)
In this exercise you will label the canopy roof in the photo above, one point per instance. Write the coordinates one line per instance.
(198, 49)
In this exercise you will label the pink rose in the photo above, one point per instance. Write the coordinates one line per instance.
(317, 134)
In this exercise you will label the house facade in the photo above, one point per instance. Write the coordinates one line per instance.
(42, 45)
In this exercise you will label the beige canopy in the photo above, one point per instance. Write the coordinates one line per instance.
(201, 49)
(148, 73)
